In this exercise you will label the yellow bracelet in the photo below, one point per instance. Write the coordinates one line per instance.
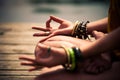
(71, 65)
(68, 58)
(74, 28)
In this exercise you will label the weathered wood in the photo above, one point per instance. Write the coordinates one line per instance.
(16, 39)
(17, 49)
(12, 57)
(19, 26)
(25, 72)
(17, 77)
(19, 40)
(19, 73)
(18, 34)
(12, 65)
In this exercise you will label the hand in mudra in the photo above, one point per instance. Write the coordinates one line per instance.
(65, 28)
(46, 56)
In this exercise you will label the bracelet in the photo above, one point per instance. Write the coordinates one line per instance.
(74, 56)
(73, 61)
(74, 28)
(71, 65)
(78, 55)
(80, 30)
(68, 58)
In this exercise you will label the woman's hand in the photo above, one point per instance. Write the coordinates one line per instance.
(30, 61)
(65, 28)
(47, 54)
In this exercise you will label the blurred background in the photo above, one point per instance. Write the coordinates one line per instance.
(40, 10)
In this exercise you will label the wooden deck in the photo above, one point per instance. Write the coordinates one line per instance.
(16, 39)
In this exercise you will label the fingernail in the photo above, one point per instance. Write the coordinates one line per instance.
(32, 27)
(39, 44)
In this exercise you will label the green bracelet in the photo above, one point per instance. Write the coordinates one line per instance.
(73, 61)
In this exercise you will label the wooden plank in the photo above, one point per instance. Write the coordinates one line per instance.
(17, 49)
(27, 73)
(19, 26)
(12, 65)
(22, 26)
(17, 77)
(12, 57)
(19, 34)
(19, 73)
(19, 40)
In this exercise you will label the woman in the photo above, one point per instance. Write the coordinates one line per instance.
(56, 55)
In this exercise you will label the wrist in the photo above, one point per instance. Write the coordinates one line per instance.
(86, 49)
(74, 58)
(88, 28)
(80, 30)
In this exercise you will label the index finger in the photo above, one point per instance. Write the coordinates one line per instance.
(51, 35)
(57, 19)
(40, 28)
(27, 58)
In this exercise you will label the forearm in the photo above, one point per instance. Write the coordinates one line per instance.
(100, 25)
(107, 43)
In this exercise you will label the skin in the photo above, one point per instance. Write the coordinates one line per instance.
(65, 27)
(110, 42)
(58, 55)
(42, 58)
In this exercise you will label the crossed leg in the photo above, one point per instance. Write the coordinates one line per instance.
(99, 63)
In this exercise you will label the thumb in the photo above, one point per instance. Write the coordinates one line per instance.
(42, 46)
(56, 19)
(97, 34)
(47, 59)
(44, 51)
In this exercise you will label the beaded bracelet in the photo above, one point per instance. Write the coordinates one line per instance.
(80, 30)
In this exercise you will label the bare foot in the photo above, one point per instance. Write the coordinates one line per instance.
(99, 63)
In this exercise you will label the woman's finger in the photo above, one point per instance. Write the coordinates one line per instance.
(48, 23)
(25, 63)
(58, 32)
(57, 19)
(42, 29)
(27, 58)
(34, 64)
(51, 35)
(42, 34)
(35, 68)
